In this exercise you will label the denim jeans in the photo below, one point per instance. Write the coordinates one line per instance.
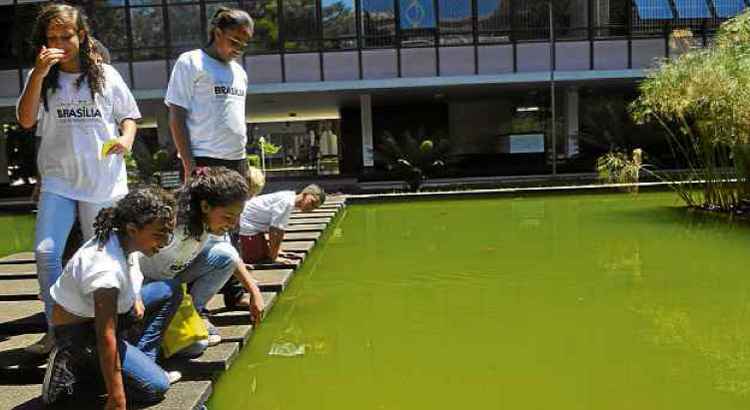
(209, 271)
(144, 380)
(54, 221)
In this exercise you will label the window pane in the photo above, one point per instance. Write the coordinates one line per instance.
(530, 20)
(728, 8)
(300, 25)
(145, 2)
(148, 26)
(24, 22)
(571, 19)
(379, 22)
(111, 29)
(493, 20)
(692, 9)
(108, 3)
(185, 26)
(339, 20)
(653, 9)
(265, 14)
(417, 22)
(610, 20)
(455, 16)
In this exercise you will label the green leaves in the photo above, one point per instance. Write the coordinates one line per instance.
(700, 98)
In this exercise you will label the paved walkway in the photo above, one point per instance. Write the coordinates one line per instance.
(22, 323)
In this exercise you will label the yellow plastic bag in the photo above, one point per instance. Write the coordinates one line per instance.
(186, 327)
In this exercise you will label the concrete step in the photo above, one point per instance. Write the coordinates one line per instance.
(273, 280)
(307, 221)
(18, 317)
(184, 395)
(19, 289)
(297, 246)
(313, 227)
(293, 236)
(302, 215)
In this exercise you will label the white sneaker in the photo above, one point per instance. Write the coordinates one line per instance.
(43, 346)
(173, 376)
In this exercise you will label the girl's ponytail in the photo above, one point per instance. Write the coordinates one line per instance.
(104, 224)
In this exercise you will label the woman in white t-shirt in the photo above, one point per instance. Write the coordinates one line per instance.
(200, 253)
(99, 296)
(206, 96)
(78, 104)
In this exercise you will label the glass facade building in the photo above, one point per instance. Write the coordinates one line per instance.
(360, 62)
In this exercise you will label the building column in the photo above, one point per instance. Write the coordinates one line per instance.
(572, 122)
(368, 161)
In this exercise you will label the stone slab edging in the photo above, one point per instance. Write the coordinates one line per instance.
(500, 192)
(22, 322)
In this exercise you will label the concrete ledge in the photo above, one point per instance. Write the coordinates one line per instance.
(302, 215)
(293, 236)
(19, 289)
(187, 395)
(273, 280)
(23, 268)
(214, 360)
(22, 317)
(297, 246)
(504, 192)
(305, 221)
(306, 227)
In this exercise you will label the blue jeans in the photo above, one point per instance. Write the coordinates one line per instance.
(53, 224)
(209, 271)
(144, 380)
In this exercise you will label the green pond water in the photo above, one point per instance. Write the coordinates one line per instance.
(567, 302)
(16, 233)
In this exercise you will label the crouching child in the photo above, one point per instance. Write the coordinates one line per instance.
(100, 297)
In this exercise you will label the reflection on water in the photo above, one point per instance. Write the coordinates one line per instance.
(577, 302)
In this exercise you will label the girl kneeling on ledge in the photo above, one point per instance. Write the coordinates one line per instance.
(99, 298)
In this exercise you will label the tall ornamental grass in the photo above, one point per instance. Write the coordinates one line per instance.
(702, 100)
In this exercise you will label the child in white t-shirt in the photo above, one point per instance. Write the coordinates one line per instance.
(206, 97)
(200, 255)
(79, 105)
(268, 214)
(101, 293)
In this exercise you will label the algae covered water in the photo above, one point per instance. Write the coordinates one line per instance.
(17, 233)
(567, 302)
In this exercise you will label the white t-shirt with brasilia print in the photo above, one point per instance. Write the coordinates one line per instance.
(213, 93)
(73, 131)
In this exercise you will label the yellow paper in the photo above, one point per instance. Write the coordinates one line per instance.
(108, 146)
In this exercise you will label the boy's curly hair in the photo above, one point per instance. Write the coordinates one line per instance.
(218, 186)
(141, 206)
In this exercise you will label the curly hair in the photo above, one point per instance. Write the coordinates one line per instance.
(218, 186)
(91, 60)
(139, 207)
(226, 18)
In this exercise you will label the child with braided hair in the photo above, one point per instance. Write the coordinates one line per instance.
(200, 254)
(101, 294)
